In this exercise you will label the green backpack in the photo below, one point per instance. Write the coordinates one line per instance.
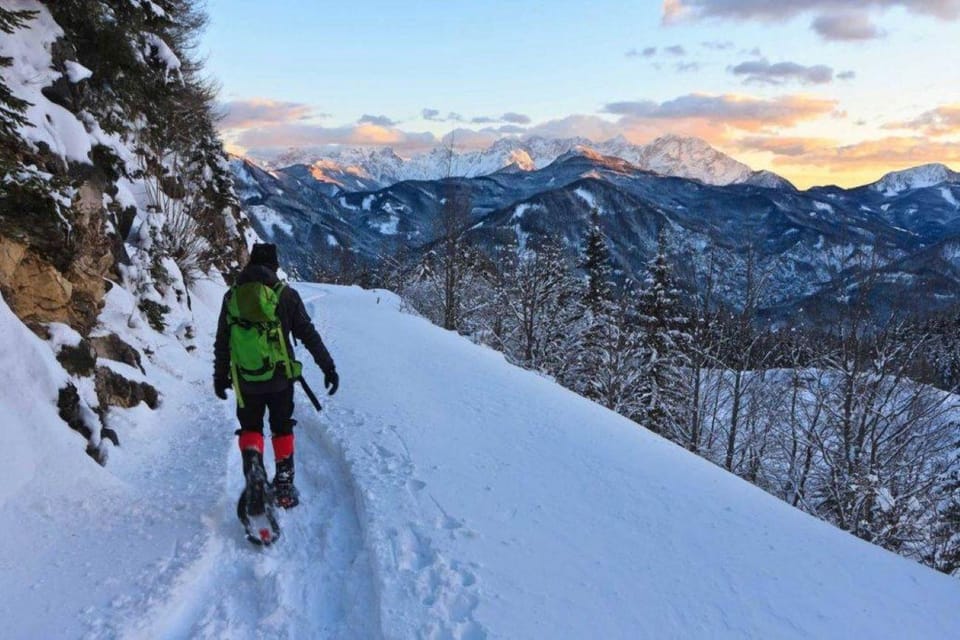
(257, 345)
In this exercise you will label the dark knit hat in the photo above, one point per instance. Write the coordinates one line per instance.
(265, 254)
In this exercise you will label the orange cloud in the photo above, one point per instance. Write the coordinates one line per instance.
(941, 121)
(809, 161)
(283, 136)
(717, 118)
(791, 147)
(258, 112)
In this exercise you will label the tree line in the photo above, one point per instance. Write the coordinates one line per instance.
(853, 422)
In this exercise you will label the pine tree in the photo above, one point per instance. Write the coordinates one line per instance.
(665, 343)
(597, 266)
(12, 108)
(607, 361)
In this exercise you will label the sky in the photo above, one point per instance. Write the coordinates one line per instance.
(819, 91)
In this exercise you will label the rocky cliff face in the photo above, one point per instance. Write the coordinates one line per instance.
(100, 188)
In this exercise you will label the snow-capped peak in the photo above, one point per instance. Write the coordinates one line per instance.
(927, 175)
(668, 155)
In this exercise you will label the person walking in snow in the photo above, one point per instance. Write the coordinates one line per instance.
(253, 355)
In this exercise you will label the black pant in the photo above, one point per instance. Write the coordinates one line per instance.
(280, 405)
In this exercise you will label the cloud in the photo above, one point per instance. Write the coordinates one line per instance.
(430, 114)
(846, 27)
(793, 147)
(255, 112)
(676, 50)
(740, 112)
(380, 121)
(774, 10)
(846, 75)
(515, 118)
(511, 129)
(717, 45)
(686, 67)
(886, 153)
(762, 72)
(583, 126)
(944, 120)
(484, 120)
(286, 135)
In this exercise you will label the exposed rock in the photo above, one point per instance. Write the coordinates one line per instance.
(71, 412)
(112, 347)
(68, 402)
(35, 290)
(116, 391)
(67, 287)
(80, 360)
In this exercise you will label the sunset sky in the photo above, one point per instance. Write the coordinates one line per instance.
(820, 91)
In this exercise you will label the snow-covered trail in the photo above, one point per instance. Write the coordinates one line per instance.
(150, 546)
(314, 583)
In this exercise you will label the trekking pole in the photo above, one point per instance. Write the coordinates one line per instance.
(307, 390)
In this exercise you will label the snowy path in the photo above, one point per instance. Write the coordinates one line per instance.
(314, 583)
(150, 547)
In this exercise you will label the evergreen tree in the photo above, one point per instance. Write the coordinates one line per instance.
(12, 108)
(597, 266)
(665, 343)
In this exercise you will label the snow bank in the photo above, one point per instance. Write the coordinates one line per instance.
(35, 438)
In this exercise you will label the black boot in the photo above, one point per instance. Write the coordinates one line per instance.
(285, 492)
(257, 492)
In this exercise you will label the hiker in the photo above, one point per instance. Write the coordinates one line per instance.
(251, 359)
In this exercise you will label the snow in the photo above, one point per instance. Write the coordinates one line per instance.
(62, 335)
(586, 196)
(31, 70)
(927, 175)
(28, 398)
(823, 206)
(76, 71)
(367, 201)
(389, 226)
(668, 155)
(520, 211)
(270, 220)
(948, 196)
(155, 47)
(465, 499)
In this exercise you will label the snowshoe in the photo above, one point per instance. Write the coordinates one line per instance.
(255, 508)
(262, 529)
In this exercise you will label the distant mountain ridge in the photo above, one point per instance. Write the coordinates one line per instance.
(898, 236)
(354, 169)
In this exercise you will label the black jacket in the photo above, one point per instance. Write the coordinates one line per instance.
(293, 319)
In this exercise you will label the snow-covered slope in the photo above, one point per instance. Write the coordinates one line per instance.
(447, 494)
(668, 155)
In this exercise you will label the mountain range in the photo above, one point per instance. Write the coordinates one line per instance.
(368, 169)
(897, 241)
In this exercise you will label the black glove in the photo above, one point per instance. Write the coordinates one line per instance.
(220, 388)
(331, 381)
